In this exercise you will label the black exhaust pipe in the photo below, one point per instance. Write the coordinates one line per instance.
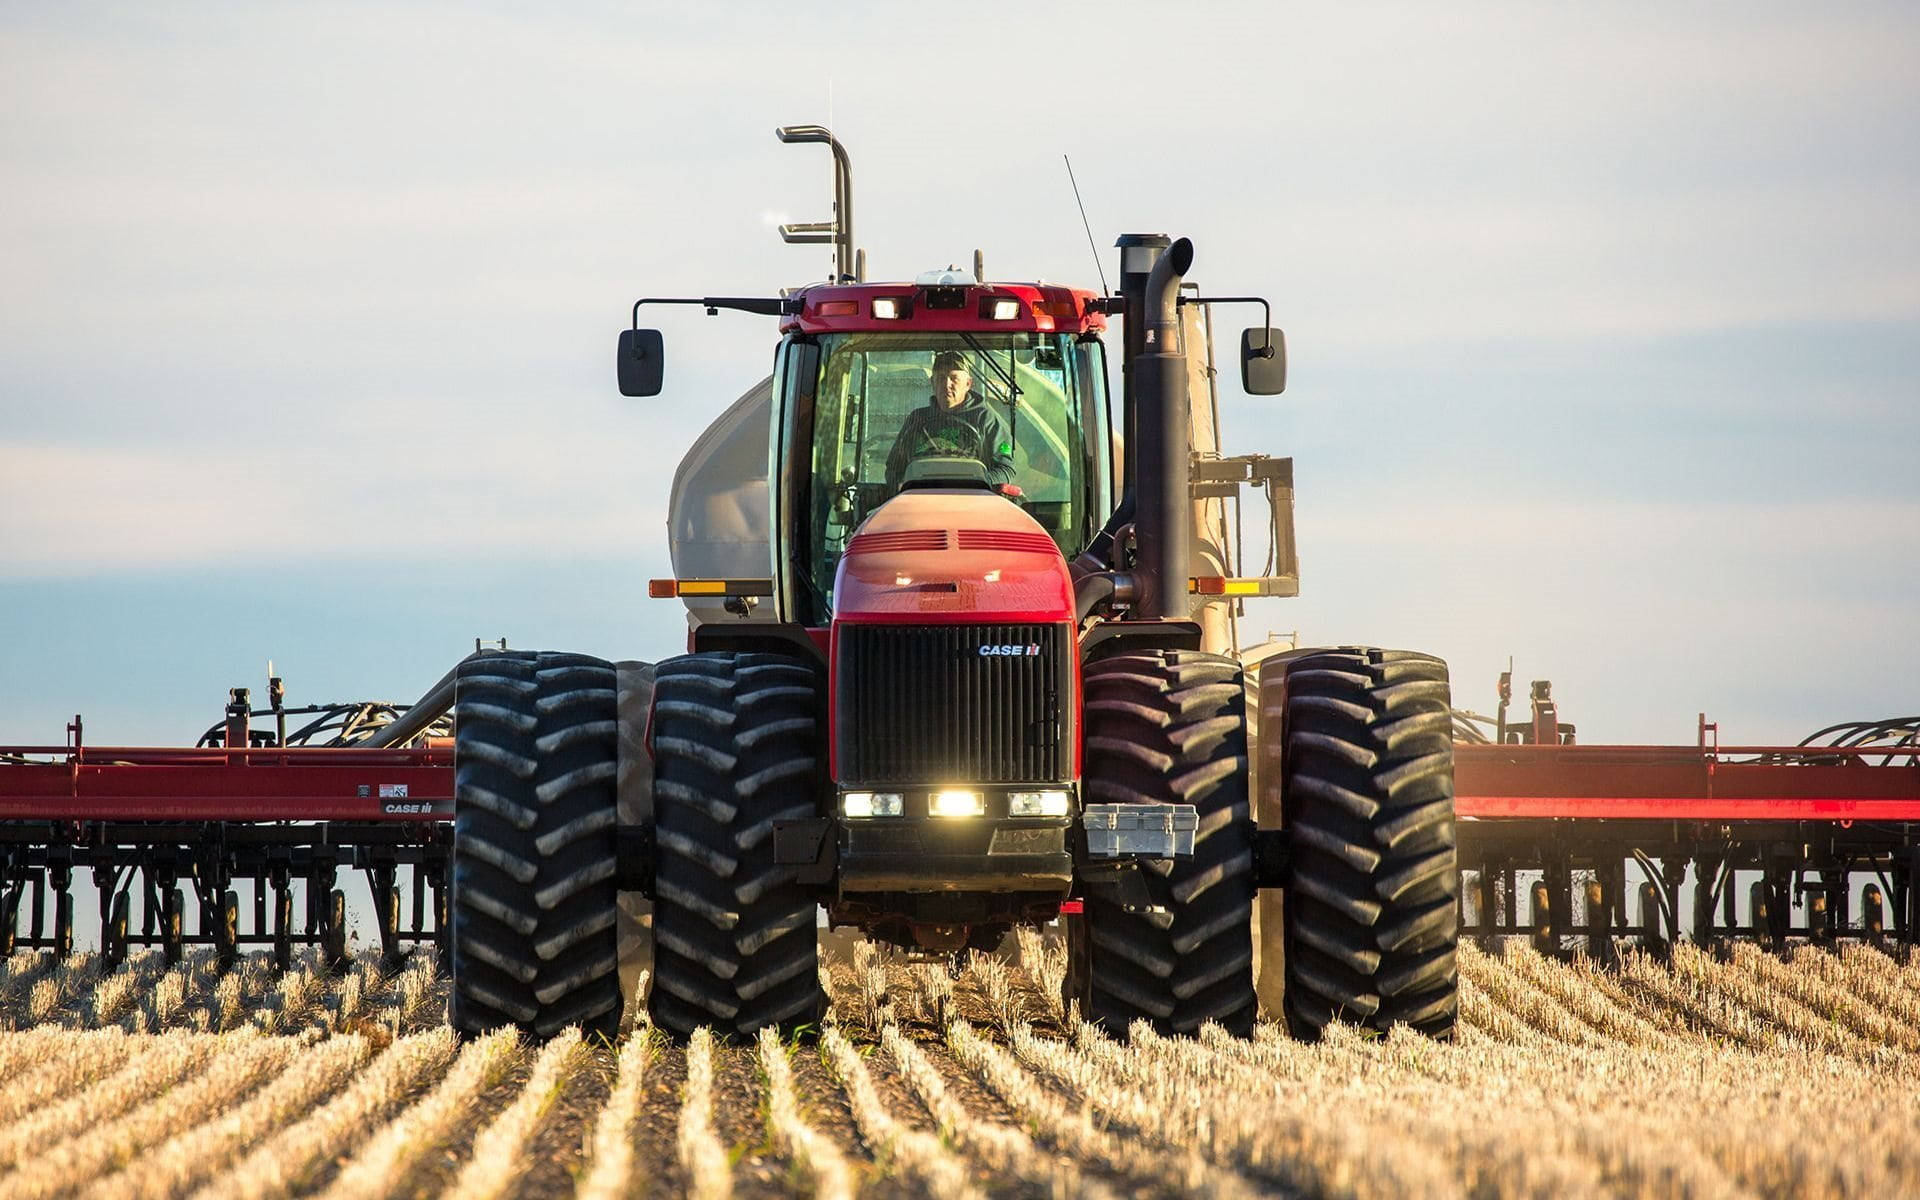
(1162, 520)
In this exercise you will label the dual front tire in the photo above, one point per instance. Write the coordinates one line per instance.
(1365, 773)
(1169, 727)
(1372, 894)
(531, 934)
(534, 936)
(736, 942)
(1364, 770)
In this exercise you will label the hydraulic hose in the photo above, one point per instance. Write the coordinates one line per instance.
(423, 712)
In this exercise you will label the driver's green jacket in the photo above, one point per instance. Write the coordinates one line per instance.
(931, 430)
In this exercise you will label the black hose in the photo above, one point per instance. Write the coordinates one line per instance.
(1104, 588)
(421, 713)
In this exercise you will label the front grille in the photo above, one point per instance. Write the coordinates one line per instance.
(922, 704)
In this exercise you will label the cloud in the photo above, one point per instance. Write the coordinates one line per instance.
(70, 511)
(1780, 616)
(1416, 178)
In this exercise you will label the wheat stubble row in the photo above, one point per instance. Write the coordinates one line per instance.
(1747, 1074)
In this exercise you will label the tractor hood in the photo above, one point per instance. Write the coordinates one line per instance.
(942, 556)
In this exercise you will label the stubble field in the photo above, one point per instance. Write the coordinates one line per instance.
(1749, 1075)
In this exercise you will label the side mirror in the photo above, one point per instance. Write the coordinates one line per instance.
(642, 364)
(1263, 362)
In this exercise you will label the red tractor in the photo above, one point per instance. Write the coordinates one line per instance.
(971, 686)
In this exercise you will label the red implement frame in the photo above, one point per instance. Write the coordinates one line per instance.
(1687, 783)
(1791, 820)
(1682, 783)
(120, 783)
(1773, 843)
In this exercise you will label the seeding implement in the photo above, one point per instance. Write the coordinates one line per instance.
(1816, 841)
(965, 657)
(154, 823)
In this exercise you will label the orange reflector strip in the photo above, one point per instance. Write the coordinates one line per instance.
(838, 308)
(1215, 585)
(661, 589)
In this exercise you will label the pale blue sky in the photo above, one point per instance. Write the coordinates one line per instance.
(1603, 320)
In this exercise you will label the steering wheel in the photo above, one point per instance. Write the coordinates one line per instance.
(944, 435)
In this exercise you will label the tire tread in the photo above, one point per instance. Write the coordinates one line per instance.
(736, 744)
(1169, 726)
(534, 889)
(1371, 916)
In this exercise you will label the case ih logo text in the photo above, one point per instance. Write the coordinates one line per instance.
(1025, 650)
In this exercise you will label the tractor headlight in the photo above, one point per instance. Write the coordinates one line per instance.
(956, 804)
(1038, 804)
(870, 804)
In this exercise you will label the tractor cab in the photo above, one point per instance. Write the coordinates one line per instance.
(942, 382)
(885, 388)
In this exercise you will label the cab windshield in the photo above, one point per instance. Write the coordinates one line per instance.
(1031, 407)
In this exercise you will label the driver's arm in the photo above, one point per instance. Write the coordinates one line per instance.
(996, 450)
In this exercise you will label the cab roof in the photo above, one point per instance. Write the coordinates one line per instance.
(943, 307)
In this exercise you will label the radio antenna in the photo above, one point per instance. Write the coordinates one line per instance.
(1086, 224)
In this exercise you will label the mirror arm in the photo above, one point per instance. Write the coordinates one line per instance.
(1266, 321)
(766, 307)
